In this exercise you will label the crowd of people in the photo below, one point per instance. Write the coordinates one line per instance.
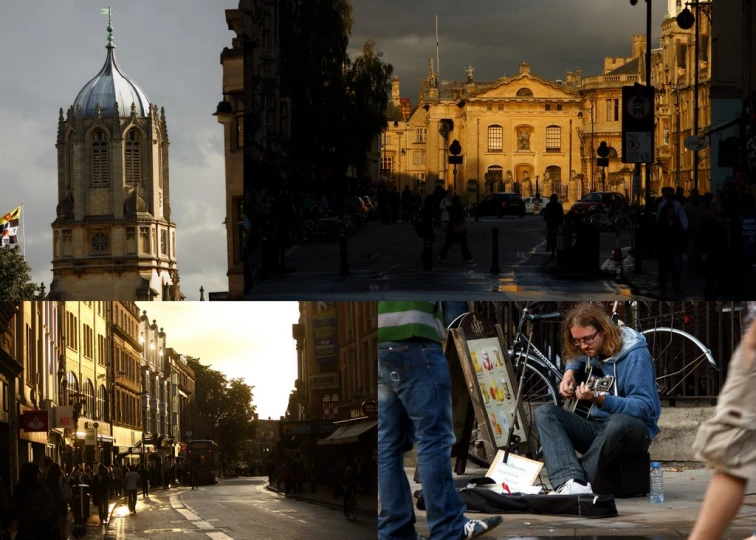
(46, 493)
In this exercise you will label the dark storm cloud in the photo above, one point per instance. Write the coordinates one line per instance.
(494, 36)
(171, 48)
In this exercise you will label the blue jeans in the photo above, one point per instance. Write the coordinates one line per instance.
(600, 442)
(414, 404)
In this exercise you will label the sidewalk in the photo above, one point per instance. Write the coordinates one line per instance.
(684, 490)
(367, 504)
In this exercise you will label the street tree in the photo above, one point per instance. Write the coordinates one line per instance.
(369, 88)
(15, 280)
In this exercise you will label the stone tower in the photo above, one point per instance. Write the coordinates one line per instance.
(674, 7)
(113, 238)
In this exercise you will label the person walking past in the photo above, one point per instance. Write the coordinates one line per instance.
(695, 209)
(415, 405)
(456, 232)
(62, 497)
(33, 507)
(553, 215)
(144, 476)
(192, 472)
(671, 239)
(727, 441)
(444, 205)
(131, 482)
(101, 493)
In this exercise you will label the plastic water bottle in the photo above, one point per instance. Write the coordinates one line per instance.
(657, 484)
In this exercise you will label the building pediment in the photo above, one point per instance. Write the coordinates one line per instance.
(524, 86)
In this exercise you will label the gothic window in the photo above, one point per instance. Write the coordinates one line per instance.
(144, 237)
(524, 92)
(100, 242)
(100, 165)
(131, 240)
(132, 164)
(421, 134)
(164, 242)
(495, 138)
(553, 139)
(418, 157)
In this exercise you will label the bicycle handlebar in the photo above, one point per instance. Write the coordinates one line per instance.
(552, 315)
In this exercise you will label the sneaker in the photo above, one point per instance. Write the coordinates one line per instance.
(573, 487)
(476, 527)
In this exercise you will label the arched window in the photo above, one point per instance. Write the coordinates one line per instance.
(524, 92)
(495, 138)
(100, 165)
(102, 404)
(131, 158)
(553, 139)
(88, 396)
(71, 389)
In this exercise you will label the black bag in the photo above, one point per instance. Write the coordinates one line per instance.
(489, 502)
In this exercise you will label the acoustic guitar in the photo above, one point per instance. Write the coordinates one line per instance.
(597, 382)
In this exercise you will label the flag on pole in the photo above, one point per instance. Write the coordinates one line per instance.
(9, 227)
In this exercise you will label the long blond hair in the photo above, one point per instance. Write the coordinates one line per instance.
(587, 314)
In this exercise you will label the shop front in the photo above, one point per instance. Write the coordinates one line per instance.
(299, 440)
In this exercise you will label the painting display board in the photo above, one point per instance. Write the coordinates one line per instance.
(489, 379)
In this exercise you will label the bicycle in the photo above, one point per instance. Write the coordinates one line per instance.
(613, 221)
(669, 347)
(351, 505)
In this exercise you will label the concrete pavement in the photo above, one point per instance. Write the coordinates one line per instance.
(367, 504)
(684, 489)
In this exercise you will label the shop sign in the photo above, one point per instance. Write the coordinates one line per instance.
(89, 437)
(370, 408)
(64, 417)
(324, 381)
(355, 413)
(35, 421)
(325, 332)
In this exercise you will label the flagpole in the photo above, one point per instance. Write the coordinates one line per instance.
(23, 233)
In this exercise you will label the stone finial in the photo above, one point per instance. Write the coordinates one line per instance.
(163, 123)
(202, 294)
(98, 110)
(133, 109)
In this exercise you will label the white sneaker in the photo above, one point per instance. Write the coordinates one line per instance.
(571, 487)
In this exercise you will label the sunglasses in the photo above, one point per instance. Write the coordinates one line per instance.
(586, 340)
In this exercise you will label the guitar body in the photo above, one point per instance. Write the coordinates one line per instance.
(596, 382)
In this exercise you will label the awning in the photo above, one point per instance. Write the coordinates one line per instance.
(348, 434)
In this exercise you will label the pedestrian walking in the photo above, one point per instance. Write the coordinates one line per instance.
(727, 441)
(144, 476)
(553, 215)
(33, 507)
(62, 496)
(131, 484)
(414, 404)
(456, 232)
(444, 205)
(118, 479)
(670, 244)
(100, 490)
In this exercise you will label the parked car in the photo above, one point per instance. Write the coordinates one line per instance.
(598, 201)
(500, 204)
(533, 205)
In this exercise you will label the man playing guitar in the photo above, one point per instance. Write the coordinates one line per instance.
(622, 421)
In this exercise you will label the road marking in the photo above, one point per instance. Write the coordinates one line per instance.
(197, 521)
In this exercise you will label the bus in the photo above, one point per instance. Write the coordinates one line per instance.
(204, 457)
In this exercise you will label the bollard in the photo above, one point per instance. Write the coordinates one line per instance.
(495, 252)
(344, 257)
(427, 254)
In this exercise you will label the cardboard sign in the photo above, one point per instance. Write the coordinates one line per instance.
(517, 472)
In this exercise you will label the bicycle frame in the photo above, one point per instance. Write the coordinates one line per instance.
(521, 343)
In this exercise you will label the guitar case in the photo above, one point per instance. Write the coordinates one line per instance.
(487, 501)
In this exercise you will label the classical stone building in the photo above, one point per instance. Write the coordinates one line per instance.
(113, 237)
(126, 376)
(517, 134)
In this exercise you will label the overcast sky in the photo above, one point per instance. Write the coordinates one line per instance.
(252, 340)
(50, 48)
(495, 36)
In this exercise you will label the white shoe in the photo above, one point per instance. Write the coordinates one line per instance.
(571, 487)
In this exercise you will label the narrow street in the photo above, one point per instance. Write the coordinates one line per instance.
(384, 259)
(235, 508)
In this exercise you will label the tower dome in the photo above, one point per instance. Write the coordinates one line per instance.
(109, 86)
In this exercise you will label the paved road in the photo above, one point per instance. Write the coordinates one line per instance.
(238, 509)
(385, 260)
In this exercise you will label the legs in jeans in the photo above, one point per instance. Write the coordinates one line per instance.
(132, 494)
(562, 433)
(102, 508)
(462, 239)
(414, 400)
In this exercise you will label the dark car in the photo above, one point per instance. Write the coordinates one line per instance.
(500, 204)
(599, 201)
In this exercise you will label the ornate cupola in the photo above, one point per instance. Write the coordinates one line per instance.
(113, 238)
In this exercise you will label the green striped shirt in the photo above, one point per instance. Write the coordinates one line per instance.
(399, 321)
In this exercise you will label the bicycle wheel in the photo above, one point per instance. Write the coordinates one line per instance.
(684, 365)
(623, 223)
(598, 219)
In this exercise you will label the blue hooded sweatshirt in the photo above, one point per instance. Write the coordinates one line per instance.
(634, 391)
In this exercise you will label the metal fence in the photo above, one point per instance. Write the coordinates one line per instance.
(718, 325)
